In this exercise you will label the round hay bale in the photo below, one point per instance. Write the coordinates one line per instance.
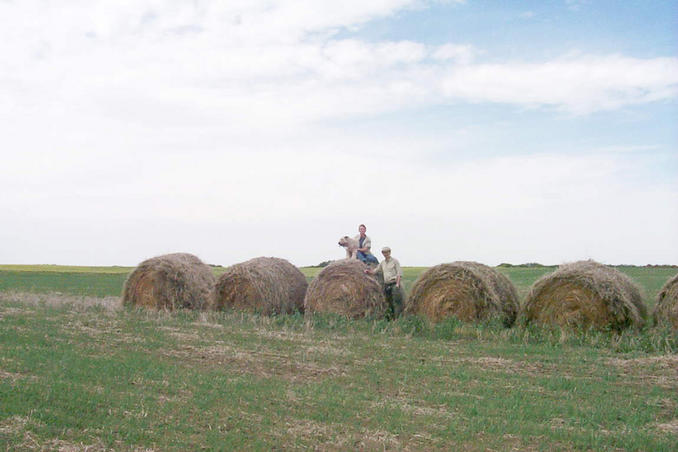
(172, 281)
(266, 285)
(343, 288)
(585, 294)
(469, 291)
(666, 309)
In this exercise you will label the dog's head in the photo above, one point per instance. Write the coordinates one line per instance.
(343, 241)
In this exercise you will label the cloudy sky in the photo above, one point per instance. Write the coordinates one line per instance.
(456, 130)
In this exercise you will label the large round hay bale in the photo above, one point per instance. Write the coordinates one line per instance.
(585, 294)
(266, 285)
(343, 288)
(666, 310)
(469, 291)
(172, 281)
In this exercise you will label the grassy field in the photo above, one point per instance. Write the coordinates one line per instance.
(107, 281)
(77, 372)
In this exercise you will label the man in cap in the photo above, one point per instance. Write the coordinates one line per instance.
(390, 269)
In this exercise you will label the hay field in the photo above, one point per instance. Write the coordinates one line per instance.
(78, 372)
(107, 281)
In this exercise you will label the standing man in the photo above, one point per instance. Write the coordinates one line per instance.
(364, 245)
(390, 269)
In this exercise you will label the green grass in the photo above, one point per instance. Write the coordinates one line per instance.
(77, 374)
(651, 279)
(90, 283)
(65, 269)
(74, 376)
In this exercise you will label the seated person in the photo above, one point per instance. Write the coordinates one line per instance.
(364, 245)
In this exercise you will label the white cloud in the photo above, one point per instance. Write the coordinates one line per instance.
(278, 63)
(462, 54)
(579, 84)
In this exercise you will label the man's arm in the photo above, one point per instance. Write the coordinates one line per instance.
(375, 271)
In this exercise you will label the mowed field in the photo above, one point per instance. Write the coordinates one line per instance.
(78, 372)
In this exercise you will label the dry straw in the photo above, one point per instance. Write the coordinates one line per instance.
(585, 294)
(343, 288)
(666, 309)
(170, 282)
(469, 291)
(266, 285)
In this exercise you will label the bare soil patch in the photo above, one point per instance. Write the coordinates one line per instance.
(669, 427)
(497, 364)
(658, 370)
(58, 299)
(264, 364)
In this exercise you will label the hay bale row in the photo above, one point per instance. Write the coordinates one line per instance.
(666, 310)
(183, 281)
(468, 291)
(170, 282)
(266, 285)
(585, 294)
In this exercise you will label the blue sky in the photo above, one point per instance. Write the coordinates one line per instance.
(456, 130)
(538, 29)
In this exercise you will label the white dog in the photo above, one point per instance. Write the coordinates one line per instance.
(351, 246)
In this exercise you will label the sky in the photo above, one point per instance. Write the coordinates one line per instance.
(531, 131)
